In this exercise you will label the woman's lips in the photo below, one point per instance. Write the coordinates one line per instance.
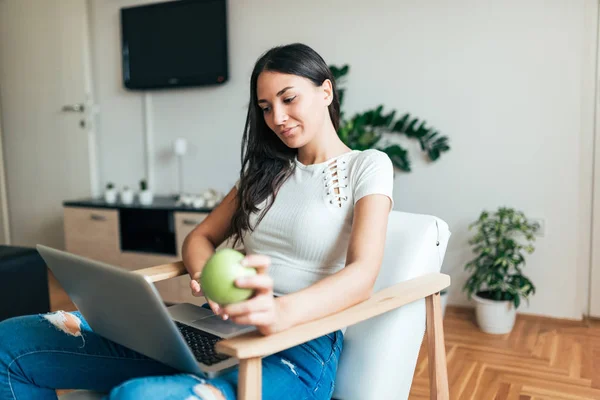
(289, 132)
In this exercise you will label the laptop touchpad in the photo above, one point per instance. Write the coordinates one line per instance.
(215, 325)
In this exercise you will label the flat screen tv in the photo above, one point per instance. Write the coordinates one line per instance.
(174, 44)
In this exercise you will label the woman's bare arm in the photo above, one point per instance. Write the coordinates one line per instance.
(200, 244)
(354, 283)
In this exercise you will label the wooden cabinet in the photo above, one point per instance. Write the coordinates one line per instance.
(185, 222)
(93, 233)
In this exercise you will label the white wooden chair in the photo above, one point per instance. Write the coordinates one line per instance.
(385, 332)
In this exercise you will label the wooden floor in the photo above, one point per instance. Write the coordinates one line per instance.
(542, 358)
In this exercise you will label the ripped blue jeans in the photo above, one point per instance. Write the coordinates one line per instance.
(41, 353)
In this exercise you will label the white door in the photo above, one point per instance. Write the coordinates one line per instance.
(46, 103)
(594, 295)
(594, 284)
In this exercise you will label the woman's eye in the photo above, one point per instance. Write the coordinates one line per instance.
(265, 110)
(289, 99)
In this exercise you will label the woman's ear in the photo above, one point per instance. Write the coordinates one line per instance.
(327, 88)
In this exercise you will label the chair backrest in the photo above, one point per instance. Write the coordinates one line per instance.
(379, 356)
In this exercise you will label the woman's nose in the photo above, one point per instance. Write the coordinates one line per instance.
(279, 116)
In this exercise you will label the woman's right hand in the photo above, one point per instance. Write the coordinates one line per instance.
(197, 292)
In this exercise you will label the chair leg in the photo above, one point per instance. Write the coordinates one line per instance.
(438, 372)
(250, 379)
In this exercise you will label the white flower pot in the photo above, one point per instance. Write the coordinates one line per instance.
(127, 196)
(110, 196)
(199, 202)
(186, 200)
(211, 203)
(496, 317)
(146, 197)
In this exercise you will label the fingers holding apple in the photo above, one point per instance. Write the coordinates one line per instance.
(257, 304)
(219, 274)
(196, 289)
(260, 283)
(259, 262)
(262, 310)
(259, 310)
(197, 292)
(216, 308)
(242, 288)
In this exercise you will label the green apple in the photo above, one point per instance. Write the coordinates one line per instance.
(219, 274)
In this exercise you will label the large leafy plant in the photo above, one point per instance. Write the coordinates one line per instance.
(501, 241)
(365, 130)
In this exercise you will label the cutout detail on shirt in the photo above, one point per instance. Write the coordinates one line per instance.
(335, 181)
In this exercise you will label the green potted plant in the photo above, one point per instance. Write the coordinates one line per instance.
(146, 195)
(497, 284)
(110, 193)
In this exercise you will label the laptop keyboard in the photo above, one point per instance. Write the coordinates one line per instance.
(202, 344)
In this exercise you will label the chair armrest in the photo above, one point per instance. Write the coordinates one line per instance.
(254, 344)
(163, 272)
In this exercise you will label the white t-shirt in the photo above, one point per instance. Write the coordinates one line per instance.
(307, 230)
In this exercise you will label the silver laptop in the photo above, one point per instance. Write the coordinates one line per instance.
(126, 308)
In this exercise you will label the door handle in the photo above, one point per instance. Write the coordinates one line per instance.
(73, 108)
(96, 217)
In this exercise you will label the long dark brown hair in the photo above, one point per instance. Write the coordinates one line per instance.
(266, 161)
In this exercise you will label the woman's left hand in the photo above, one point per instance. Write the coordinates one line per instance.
(262, 309)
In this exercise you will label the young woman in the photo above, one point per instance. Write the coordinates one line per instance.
(312, 216)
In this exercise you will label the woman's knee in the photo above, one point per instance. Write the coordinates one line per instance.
(139, 388)
(66, 322)
(12, 331)
(13, 341)
(19, 334)
(180, 386)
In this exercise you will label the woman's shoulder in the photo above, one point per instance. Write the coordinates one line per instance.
(372, 157)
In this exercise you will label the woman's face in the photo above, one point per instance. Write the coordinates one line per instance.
(293, 107)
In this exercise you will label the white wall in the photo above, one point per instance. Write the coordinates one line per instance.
(506, 81)
(4, 225)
